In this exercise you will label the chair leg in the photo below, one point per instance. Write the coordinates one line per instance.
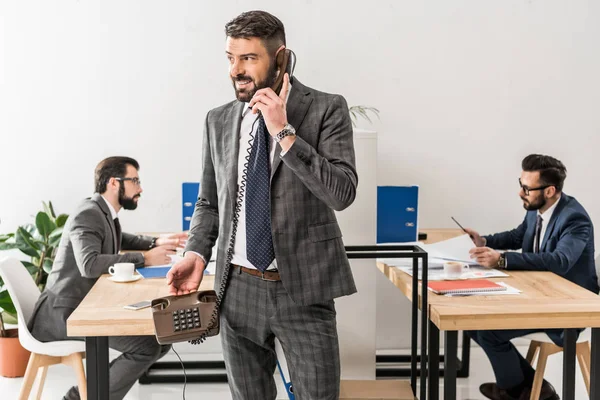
(583, 357)
(75, 360)
(545, 351)
(41, 382)
(30, 374)
(533, 348)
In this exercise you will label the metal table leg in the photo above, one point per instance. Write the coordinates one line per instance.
(595, 365)
(96, 349)
(434, 362)
(450, 364)
(569, 352)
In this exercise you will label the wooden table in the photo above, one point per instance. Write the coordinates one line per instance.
(546, 301)
(101, 314)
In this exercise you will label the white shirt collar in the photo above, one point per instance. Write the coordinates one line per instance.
(113, 212)
(548, 213)
(247, 105)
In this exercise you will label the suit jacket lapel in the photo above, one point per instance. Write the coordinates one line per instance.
(297, 107)
(231, 137)
(552, 222)
(102, 204)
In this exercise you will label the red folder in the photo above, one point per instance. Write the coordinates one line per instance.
(464, 286)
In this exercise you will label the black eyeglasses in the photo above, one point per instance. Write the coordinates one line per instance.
(135, 181)
(526, 189)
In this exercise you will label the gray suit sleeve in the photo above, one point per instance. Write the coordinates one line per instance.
(329, 173)
(135, 242)
(86, 234)
(204, 227)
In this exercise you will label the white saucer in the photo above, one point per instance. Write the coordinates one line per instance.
(132, 279)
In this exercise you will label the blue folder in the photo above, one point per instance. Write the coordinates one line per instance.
(397, 213)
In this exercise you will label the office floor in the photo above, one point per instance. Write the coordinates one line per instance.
(60, 378)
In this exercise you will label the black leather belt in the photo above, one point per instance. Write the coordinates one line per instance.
(272, 276)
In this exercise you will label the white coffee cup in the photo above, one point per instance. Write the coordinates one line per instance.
(454, 269)
(122, 271)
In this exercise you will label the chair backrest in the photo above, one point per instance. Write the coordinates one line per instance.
(22, 289)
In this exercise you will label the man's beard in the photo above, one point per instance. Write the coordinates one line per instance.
(246, 96)
(128, 203)
(529, 206)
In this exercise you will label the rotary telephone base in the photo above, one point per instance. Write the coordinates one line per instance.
(190, 317)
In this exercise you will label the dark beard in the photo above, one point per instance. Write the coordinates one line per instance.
(244, 96)
(534, 206)
(127, 203)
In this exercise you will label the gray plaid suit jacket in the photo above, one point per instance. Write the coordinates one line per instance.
(314, 178)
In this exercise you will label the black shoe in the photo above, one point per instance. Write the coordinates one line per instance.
(493, 392)
(548, 392)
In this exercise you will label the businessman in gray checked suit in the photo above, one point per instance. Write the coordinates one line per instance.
(288, 259)
(89, 245)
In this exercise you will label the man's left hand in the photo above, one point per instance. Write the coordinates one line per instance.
(272, 106)
(485, 256)
(174, 239)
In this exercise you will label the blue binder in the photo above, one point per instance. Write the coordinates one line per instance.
(397, 213)
(189, 195)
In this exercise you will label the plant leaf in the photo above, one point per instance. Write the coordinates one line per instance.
(5, 237)
(6, 303)
(25, 243)
(44, 224)
(8, 246)
(61, 220)
(49, 210)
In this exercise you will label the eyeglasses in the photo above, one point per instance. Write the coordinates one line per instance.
(526, 189)
(135, 181)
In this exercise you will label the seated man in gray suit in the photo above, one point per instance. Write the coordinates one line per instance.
(90, 244)
(557, 235)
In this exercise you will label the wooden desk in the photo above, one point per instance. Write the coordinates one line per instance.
(547, 301)
(101, 314)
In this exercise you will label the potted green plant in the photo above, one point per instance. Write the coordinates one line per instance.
(38, 242)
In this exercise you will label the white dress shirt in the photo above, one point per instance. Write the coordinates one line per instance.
(546, 219)
(239, 253)
(113, 213)
(247, 126)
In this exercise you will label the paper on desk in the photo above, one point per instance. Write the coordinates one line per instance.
(435, 272)
(509, 290)
(456, 249)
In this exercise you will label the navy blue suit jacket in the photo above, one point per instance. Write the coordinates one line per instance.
(567, 248)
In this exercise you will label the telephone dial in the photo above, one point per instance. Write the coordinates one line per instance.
(187, 317)
(195, 316)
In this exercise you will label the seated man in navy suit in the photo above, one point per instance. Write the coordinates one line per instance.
(556, 235)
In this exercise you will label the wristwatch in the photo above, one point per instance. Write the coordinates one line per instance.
(153, 243)
(502, 261)
(287, 130)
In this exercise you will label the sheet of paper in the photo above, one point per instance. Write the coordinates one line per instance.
(436, 272)
(456, 249)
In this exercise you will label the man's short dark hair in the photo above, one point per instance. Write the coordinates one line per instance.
(111, 167)
(260, 24)
(552, 171)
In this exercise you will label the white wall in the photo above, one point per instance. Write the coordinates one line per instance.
(466, 88)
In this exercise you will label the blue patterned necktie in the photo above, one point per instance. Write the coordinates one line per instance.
(259, 241)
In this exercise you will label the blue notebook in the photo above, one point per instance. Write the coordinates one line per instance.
(155, 272)
(159, 272)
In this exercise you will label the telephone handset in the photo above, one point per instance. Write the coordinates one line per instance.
(173, 314)
(286, 62)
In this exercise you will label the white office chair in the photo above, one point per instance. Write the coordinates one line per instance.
(25, 293)
(541, 342)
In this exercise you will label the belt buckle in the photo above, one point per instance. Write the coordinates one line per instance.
(262, 276)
